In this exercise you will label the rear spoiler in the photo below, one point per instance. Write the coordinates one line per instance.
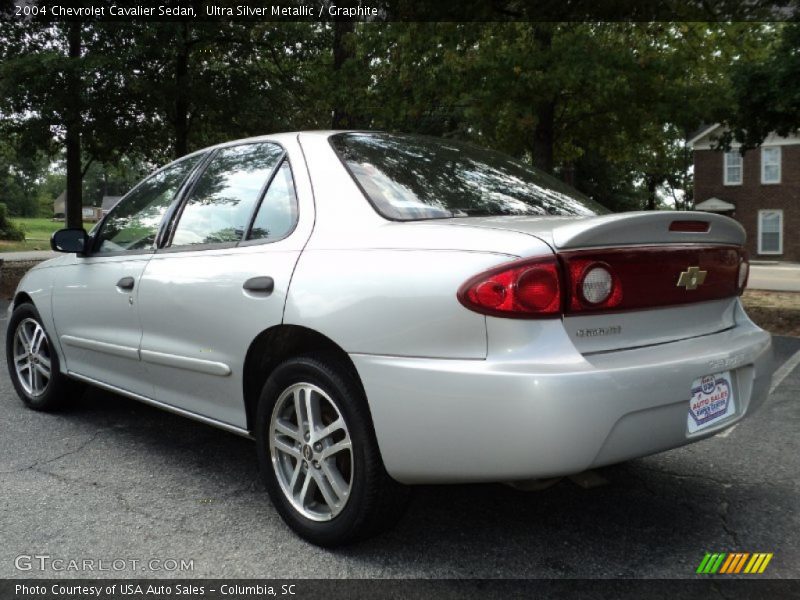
(648, 227)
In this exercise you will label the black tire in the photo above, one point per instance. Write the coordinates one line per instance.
(59, 389)
(376, 501)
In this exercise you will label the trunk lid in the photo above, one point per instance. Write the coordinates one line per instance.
(677, 280)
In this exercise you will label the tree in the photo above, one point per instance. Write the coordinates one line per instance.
(60, 88)
(196, 84)
(766, 92)
(623, 95)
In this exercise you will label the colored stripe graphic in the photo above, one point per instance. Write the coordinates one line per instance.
(703, 563)
(718, 564)
(749, 567)
(727, 564)
(765, 563)
(730, 563)
(741, 562)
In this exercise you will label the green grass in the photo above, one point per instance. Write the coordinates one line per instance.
(37, 234)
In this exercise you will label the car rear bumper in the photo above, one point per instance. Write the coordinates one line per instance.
(510, 418)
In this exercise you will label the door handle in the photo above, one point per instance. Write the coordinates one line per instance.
(126, 283)
(259, 285)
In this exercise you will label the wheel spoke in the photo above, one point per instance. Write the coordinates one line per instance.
(42, 370)
(312, 412)
(36, 341)
(45, 362)
(327, 430)
(20, 358)
(325, 488)
(304, 490)
(24, 337)
(284, 427)
(299, 410)
(336, 448)
(334, 478)
(298, 469)
(286, 448)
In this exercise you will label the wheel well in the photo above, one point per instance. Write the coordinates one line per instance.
(22, 298)
(275, 345)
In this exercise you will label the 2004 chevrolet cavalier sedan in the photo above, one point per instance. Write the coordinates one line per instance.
(380, 310)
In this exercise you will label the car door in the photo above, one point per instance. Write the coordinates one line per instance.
(94, 299)
(222, 276)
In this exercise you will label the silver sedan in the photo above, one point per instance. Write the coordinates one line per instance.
(381, 310)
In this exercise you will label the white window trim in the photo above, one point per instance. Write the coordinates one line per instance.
(763, 165)
(780, 232)
(725, 179)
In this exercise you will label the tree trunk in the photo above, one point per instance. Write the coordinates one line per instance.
(182, 93)
(544, 136)
(652, 198)
(341, 119)
(74, 197)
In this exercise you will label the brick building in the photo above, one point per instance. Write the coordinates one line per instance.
(761, 190)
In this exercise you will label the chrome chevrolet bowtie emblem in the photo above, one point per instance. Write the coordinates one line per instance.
(691, 278)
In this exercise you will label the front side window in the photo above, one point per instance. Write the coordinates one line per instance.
(220, 205)
(770, 232)
(133, 223)
(408, 177)
(771, 164)
(277, 214)
(733, 168)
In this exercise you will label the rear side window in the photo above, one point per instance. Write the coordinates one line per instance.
(133, 223)
(277, 214)
(220, 205)
(408, 177)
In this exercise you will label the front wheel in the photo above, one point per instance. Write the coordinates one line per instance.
(319, 457)
(33, 363)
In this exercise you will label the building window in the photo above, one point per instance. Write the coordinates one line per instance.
(770, 232)
(733, 168)
(771, 164)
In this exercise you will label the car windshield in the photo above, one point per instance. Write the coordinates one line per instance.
(410, 177)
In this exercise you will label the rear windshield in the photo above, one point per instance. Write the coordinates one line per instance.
(409, 177)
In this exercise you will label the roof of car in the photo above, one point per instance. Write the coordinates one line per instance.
(277, 137)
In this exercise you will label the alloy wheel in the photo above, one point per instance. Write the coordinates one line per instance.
(311, 451)
(32, 357)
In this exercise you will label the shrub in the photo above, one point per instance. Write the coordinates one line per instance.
(8, 230)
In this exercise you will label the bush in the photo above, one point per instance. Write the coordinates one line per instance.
(8, 230)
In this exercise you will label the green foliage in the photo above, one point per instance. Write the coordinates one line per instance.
(8, 230)
(766, 92)
(606, 106)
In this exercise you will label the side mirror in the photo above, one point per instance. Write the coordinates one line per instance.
(70, 240)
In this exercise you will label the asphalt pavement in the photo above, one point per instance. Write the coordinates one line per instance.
(112, 479)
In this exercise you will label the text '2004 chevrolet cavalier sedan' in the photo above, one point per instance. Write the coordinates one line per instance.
(382, 310)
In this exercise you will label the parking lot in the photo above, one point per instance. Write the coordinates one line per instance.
(114, 479)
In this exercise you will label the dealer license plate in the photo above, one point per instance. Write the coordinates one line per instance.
(711, 401)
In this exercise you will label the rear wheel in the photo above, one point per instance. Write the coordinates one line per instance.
(319, 457)
(33, 364)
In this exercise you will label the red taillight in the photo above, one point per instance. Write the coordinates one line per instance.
(690, 226)
(523, 289)
(608, 280)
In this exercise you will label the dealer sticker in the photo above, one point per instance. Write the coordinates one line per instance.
(711, 401)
